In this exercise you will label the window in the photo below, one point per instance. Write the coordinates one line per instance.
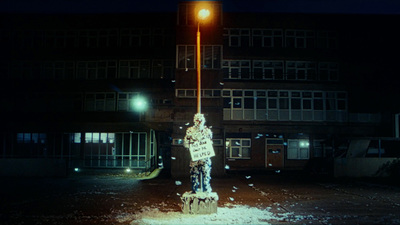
(330, 101)
(300, 39)
(60, 38)
(238, 148)
(125, 101)
(118, 150)
(134, 69)
(235, 37)
(135, 37)
(98, 38)
(23, 38)
(297, 70)
(328, 71)
(210, 56)
(31, 145)
(341, 100)
(283, 100)
(192, 93)
(100, 101)
(298, 149)
(268, 70)
(269, 38)
(93, 70)
(162, 69)
(236, 69)
(186, 57)
(106, 69)
(162, 37)
(327, 39)
(56, 70)
(318, 101)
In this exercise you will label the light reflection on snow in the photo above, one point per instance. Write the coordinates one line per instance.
(236, 214)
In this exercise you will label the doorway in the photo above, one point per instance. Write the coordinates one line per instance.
(274, 153)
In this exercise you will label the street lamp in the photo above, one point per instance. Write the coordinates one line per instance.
(202, 15)
(198, 140)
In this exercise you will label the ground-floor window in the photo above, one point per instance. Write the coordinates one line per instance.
(298, 149)
(31, 145)
(91, 149)
(238, 148)
(115, 149)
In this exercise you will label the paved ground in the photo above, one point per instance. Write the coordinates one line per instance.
(113, 199)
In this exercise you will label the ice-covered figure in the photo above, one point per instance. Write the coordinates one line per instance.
(199, 170)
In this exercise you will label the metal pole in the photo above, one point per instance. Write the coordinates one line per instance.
(198, 70)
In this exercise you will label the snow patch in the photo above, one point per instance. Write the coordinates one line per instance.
(235, 214)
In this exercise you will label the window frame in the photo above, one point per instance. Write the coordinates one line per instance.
(239, 146)
(211, 57)
(301, 144)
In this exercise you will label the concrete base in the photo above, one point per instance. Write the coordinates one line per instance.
(199, 203)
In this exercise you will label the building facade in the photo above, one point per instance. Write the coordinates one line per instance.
(279, 91)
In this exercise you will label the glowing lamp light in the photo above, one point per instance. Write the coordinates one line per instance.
(304, 144)
(203, 14)
(139, 104)
(128, 170)
(76, 169)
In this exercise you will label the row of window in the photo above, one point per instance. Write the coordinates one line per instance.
(270, 94)
(100, 149)
(164, 69)
(110, 101)
(104, 69)
(280, 70)
(277, 105)
(279, 38)
(157, 37)
(93, 38)
(75, 102)
(240, 148)
(285, 105)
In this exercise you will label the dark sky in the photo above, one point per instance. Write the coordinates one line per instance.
(126, 6)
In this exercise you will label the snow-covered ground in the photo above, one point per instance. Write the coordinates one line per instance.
(258, 199)
(234, 214)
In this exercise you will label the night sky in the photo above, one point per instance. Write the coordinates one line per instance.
(127, 6)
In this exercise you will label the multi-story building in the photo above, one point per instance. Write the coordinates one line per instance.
(278, 90)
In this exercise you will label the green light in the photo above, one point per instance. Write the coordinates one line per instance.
(139, 104)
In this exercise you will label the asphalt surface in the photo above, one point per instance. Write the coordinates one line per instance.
(116, 199)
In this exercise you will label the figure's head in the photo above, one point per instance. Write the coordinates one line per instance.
(199, 120)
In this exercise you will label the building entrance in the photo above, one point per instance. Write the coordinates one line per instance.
(274, 153)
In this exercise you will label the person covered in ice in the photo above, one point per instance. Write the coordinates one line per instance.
(199, 170)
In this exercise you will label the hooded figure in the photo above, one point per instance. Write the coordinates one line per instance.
(199, 170)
